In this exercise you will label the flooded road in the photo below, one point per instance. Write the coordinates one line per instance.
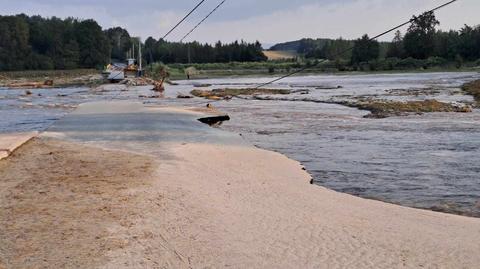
(427, 161)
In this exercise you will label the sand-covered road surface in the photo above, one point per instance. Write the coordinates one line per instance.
(80, 201)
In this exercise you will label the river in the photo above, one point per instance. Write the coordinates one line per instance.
(427, 161)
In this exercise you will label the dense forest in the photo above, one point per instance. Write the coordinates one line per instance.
(194, 52)
(33, 43)
(421, 44)
(38, 43)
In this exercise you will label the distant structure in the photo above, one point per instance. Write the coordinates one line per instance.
(116, 72)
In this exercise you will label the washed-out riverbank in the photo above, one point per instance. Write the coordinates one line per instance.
(426, 160)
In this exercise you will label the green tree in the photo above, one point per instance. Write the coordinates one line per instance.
(94, 47)
(14, 47)
(446, 44)
(395, 49)
(469, 42)
(71, 55)
(120, 42)
(365, 50)
(337, 49)
(420, 37)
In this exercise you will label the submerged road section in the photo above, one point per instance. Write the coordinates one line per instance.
(123, 185)
(132, 126)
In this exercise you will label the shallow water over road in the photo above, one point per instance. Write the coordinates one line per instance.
(427, 161)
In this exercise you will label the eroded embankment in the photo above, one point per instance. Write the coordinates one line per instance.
(473, 88)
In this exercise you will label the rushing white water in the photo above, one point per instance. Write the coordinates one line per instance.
(427, 161)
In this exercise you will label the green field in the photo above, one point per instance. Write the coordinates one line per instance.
(273, 68)
(273, 55)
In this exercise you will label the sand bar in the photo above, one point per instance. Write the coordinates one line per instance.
(119, 185)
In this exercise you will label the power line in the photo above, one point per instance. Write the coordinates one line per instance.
(351, 48)
(196, 26)
(184, 18)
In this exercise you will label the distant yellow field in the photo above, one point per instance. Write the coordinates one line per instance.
(279, 55)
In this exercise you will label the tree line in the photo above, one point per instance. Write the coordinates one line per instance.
(195, 52)
(37, 43)
(34, 42)
(421, 42)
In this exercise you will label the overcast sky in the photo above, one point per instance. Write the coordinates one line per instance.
(269, 21)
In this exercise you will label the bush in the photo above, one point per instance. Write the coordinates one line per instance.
(341, 65)
(410, 63)
(389, 63)
(158, 71)
(373, 65)
(436, 61)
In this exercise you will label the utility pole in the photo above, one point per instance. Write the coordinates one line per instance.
(140, 55)
(133, 50)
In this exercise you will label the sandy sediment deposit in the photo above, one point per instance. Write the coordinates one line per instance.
(9, 142)
(68, 203)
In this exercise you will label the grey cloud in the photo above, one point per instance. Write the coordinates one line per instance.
(266, 20)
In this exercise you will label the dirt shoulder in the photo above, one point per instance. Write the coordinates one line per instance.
(67, 206)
